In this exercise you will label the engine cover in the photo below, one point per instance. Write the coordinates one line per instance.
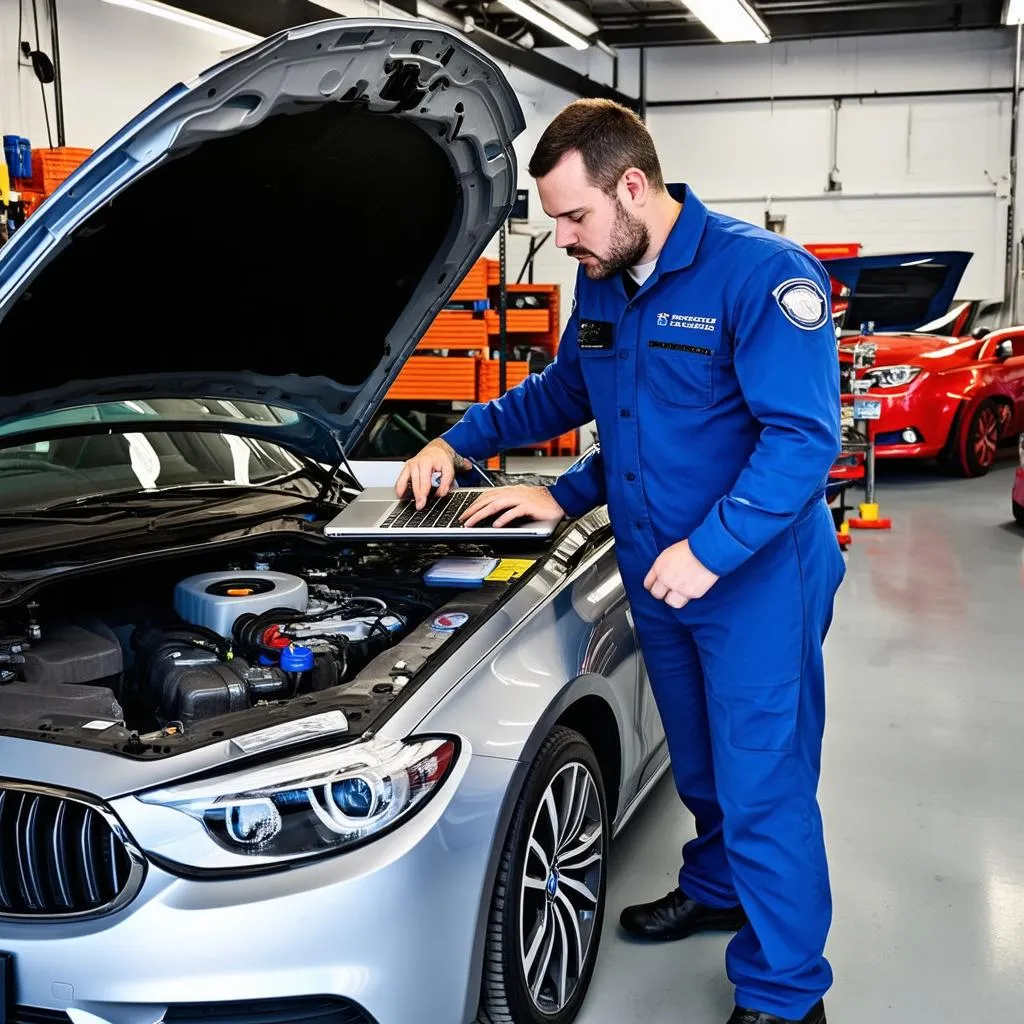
(216, 599)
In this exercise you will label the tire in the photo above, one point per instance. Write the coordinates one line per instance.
(974, 446)
(527, 924)
(1018, 513)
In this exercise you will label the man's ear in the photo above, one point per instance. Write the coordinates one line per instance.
(635, 186)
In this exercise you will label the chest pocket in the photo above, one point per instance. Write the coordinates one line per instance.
(596, 343)
(681, 375)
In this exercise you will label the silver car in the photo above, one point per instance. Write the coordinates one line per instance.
(249, 773)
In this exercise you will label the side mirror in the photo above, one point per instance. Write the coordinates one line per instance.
(1004, 349)
(979, 332)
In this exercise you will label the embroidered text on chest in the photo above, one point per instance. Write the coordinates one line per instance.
(687, 322)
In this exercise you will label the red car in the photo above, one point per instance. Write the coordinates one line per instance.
(947, 389)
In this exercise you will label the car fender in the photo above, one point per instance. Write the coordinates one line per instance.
(978, 388)
(470, 711)
(506, 703)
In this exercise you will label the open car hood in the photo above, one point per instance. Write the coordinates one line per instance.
(282, 230)
(901, 292)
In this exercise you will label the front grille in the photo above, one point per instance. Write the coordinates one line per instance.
(62, 855)
(314, 1010)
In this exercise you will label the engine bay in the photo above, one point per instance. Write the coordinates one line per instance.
(159, 651)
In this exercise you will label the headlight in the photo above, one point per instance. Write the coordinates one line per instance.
(1020, 449)
(314, 805)
(891, 376)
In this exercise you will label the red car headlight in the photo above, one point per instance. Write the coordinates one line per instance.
(891, 376)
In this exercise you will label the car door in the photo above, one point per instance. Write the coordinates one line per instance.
(1013, 377)
(1008, 372)
(613, 651)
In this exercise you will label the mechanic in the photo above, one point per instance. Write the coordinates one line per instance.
(703, 349)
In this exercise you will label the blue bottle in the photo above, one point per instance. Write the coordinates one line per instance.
(12, 155)
(25, 157)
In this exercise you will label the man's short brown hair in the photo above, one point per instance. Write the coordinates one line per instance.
(609, 137)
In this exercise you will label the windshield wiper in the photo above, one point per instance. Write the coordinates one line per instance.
(186, 493)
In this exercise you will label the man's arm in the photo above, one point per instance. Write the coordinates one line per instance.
(786, 358)
(543, 406)
(582, 486)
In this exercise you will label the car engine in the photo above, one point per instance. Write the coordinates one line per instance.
(268, 628)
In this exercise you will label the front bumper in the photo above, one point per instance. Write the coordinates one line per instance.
(392, 927)
(1018, 487)
(909, 427)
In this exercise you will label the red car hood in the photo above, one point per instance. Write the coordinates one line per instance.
(931, 351)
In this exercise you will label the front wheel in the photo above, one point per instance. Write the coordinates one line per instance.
(548, 903)
(1018, 513)
(973, 451)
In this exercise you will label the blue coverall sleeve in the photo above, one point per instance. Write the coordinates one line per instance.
(581, 487)
(787, 362)
(545, 405)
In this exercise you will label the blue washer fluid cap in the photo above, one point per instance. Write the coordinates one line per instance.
(296, 659)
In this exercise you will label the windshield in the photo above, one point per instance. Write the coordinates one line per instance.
(166, 410)
(40, 473)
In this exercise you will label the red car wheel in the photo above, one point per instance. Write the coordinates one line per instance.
(976, 449)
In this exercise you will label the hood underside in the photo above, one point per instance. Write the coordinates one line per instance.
(282, 230)
(901, 292)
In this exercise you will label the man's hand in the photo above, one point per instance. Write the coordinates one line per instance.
(677, 577)
(435, 457)
(518, 502)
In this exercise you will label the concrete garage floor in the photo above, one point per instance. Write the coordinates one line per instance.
(922, 791)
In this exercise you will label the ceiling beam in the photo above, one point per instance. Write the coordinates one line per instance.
(627, 31)
(265, 17)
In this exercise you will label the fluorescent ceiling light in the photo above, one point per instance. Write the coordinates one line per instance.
(567, 16)
(236, 35)
(733, 21)
(1013, 12)
(541, 20)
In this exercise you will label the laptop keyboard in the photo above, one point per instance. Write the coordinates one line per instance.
(438, 514)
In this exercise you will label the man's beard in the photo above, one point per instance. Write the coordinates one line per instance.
(630, 240)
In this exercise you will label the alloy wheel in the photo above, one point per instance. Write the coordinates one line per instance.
(986, 437)
(562, 876)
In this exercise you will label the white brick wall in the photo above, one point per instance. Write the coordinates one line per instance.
(947, 156)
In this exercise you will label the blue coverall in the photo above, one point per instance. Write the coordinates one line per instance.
(715, 391)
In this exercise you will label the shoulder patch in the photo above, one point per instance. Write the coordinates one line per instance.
(803, 303)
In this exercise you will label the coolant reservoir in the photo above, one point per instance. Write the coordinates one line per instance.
(216, 599)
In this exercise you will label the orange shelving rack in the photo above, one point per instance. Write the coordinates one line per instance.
(456, 359)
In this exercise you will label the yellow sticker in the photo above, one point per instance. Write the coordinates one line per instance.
(509, 568)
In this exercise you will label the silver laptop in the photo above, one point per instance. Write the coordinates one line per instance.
(376, 513)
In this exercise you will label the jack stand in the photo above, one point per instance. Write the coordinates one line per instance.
(843, 535)
(869, 518)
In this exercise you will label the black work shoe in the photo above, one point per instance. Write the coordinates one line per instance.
(742, 1016)
(676, 916)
